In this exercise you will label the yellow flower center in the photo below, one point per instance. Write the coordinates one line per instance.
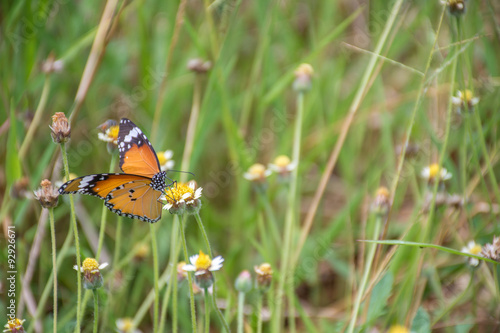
(467, 95)
(476, 249)
(266, 269)
(113, 131)
(161, 158)
(398, 329)
(15, 323)
(90, 265)
(176, 192)
(257, 169)
(382, 192)
(203, 261)
(304, 69)
(282, 161)
(433, 170)
(126, 325)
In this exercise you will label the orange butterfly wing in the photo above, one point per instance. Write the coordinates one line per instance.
(136, 199)
(137, 155)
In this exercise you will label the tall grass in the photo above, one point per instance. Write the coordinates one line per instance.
(379, 110)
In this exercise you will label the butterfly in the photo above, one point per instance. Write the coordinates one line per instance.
(134, 193)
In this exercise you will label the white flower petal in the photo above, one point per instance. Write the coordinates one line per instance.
(249, 176)
(193, 259)
(197, 193)
(216, 263)
(425, 173)
(168, 154)
(474, 101)
(167, 206)
(103, 265)
(189, 268)
(197, 273)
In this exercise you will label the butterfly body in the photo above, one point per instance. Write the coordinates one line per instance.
(134, 193)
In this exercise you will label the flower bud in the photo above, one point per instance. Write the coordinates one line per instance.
(199, 66)
(264, 276)
(243, 282)
(91, 270)
(61, 130)
(47, 195)
(303, 78)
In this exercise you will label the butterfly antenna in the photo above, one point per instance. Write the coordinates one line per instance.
(180, 171)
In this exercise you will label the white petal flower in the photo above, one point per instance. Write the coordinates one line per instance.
(216, 263)
(472, 248)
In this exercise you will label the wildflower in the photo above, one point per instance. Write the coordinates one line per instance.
(19, 189)
(142, 251)
(51, 65)
(47, 194)
(165, 160)
(91, 270)
(199, 66)
(433, 172)
(109, 133)
(472, 248)
(464, 100)
(243, 282)
(398, 329)
(492, 251)
(303, 78)
(15, 326)
(282, 165)
(264, 276)
(203, 267)
(257, 173)
(182, 198)
(61, 130)
(382, 201)
(455, 7)
(126, 325)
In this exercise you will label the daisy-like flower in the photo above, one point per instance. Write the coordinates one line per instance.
(303, 78)
(91, 270)
(165, 159)
(398, 329)
(257, 173)
(203, 267)
(433, 172)
(182, 197)
(264, 276)
(15, 326)
(47, 195)
(382, 201)
(464, 100)
(61, 130)
(492, 251)
(282, 165)
(472, 248)
(109, 133)
(455, 7)
(126, 325)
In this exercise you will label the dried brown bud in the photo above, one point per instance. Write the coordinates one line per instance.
(47, 195)
(492, 251)
(264, 276)
(199, 66)
(61, 130)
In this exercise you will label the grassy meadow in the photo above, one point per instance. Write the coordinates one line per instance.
(316, 129)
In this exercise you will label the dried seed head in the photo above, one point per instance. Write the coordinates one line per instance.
(199, 66)
(47, 195)
(61, 130)
(264, 276)
(51, 65)
(492, 251)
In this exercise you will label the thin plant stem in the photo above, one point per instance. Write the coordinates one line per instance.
(118, 241)
(77, 242)
(35, 124)
(190, 278)
(96, 311)
(104, 212)
(209, 249)
(366, 273)
(48, 285)
(241, 304)
(259, 313)
(174, 254)
(207, 311)
(270, 215)
(54, 263)
(454, 302)
(286, 269)
(154, 247)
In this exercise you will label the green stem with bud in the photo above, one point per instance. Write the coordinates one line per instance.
(209, 249)
(77, 242)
